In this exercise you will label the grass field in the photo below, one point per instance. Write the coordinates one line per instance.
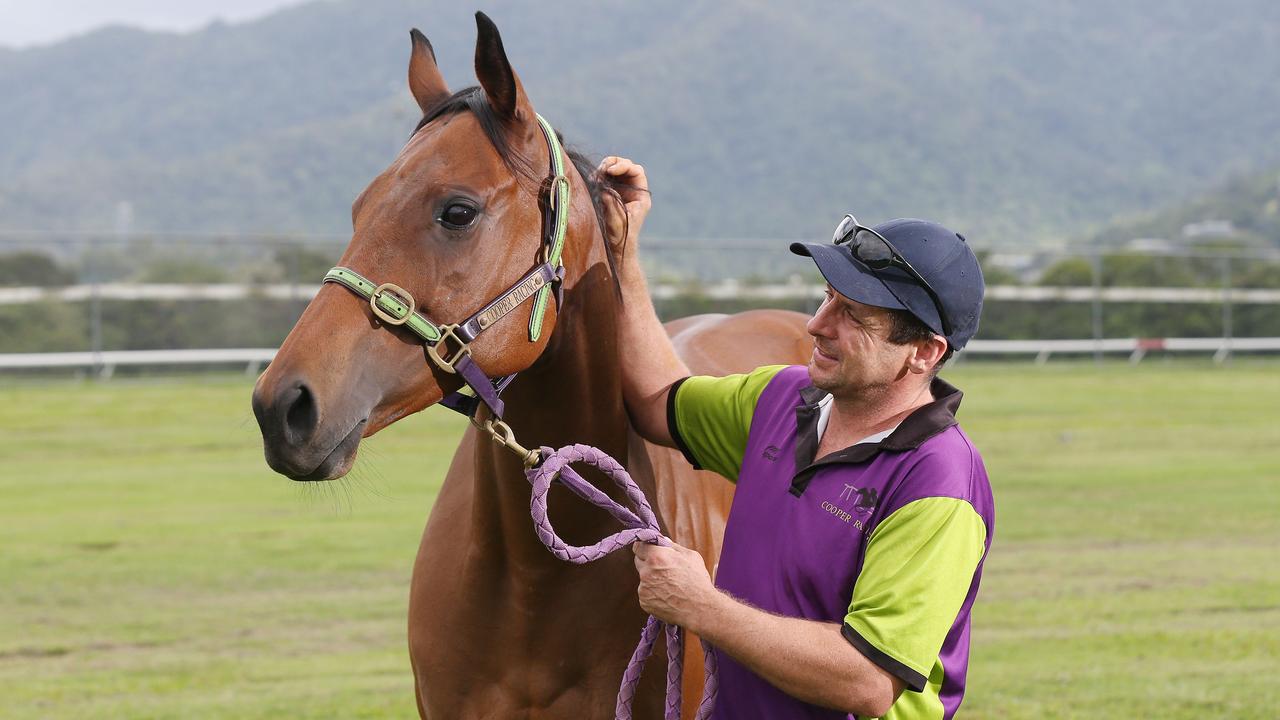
(151, 566)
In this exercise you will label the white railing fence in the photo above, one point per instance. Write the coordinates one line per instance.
(1234, 289)
(722, 290)
(103, 364)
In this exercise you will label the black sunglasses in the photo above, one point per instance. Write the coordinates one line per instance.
(877, 253)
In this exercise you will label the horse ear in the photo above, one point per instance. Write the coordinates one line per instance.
(501, 86)
(425, 81)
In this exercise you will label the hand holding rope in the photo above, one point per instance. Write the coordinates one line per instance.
(640, 525)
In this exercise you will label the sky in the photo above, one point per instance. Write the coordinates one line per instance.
(24, 23)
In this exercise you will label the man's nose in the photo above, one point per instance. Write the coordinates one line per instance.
(819, 324)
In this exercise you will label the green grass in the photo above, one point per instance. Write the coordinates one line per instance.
(151, 566)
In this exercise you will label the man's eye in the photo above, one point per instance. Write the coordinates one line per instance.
(458, 215)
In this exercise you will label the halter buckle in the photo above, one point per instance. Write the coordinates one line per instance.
(554, 201)
(401, 296)
(450, 358)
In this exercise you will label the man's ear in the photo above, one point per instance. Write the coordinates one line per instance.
(927, 354)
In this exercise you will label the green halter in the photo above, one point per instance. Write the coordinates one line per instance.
(449, 345)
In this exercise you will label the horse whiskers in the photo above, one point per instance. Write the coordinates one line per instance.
(374, 455)
(362, 476)
(342, 496)
(312, 492)
(307, 494)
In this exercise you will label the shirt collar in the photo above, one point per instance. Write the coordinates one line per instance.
(923, 423)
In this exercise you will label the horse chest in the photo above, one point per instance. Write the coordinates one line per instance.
(492, 636)
(490, 659)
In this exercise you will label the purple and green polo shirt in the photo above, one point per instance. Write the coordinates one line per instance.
(886, 538)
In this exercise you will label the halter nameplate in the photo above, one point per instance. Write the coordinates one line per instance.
(514, 297)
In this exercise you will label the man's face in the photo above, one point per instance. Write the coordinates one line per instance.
(852, 355)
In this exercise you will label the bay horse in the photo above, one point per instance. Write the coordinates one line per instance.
(498, 627)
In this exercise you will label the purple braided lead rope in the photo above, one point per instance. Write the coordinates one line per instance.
(640, 525)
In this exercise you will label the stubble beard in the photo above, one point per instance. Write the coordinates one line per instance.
(835, 383)
(844, 388)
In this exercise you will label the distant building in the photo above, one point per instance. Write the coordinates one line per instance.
(1209, 228)
(1154, 246)
(1023, 265)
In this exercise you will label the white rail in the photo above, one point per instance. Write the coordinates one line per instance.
(255, 358)
(724, 290)
(133, 291)
(105, 362)
(1137, 348)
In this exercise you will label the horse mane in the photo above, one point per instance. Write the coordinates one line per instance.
(472, 99)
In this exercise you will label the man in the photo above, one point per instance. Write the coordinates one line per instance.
(862, 514)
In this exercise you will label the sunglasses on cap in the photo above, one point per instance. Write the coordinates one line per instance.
(877, 253)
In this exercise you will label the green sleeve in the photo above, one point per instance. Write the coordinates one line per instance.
(710, 417)
(918, 570)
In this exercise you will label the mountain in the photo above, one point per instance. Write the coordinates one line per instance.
(1010, 121)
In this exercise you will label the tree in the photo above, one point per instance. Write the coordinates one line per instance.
(24, 269)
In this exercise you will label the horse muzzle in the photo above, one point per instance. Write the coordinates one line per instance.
(296, 440)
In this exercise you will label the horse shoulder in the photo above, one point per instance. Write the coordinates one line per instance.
(727, 344)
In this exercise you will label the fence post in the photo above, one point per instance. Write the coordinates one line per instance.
(1096, 267)
(1224, 353)
(95, 307)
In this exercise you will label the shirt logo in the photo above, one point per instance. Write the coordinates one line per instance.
(771, 453)
(863, 501)
(867, 498)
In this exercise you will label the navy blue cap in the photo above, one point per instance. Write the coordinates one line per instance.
(942, 258)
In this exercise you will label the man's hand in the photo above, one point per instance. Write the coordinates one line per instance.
(648, 364)
(674, 584)
(807, 659)
(623, 223)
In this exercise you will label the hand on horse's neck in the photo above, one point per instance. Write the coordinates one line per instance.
(856, 417)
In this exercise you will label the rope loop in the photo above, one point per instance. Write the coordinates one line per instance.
(639, 524)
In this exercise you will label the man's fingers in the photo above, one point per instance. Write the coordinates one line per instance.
(644, 557)
(620, 167)
(649, 553)
(628, 169)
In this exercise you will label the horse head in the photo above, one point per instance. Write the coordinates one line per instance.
(454, 222)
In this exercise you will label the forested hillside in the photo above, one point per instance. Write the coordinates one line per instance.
(1243, 212)
(1012, 121)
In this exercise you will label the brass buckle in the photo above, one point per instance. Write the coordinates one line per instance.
(447, 363)
(501, 433)
(400, 294)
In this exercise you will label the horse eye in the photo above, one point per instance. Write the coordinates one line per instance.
(457, 216)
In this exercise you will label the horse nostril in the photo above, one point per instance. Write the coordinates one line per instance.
(301, 417)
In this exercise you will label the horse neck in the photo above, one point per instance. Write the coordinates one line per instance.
(572, 394)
